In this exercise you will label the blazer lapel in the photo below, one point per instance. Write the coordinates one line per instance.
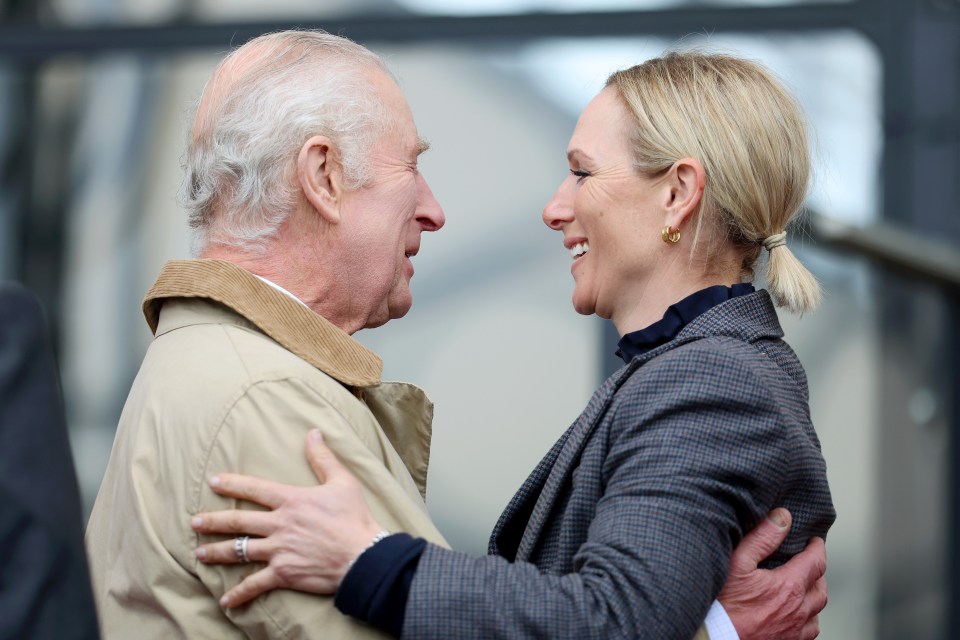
(519, 528)
(509, 529)
(566, 454)
(552, 472)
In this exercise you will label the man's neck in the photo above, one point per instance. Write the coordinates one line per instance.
(285, 271)
(267, 265)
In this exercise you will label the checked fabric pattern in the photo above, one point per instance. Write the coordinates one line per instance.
(625, 528)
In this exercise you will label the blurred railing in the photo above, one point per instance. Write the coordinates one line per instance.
(910, 253)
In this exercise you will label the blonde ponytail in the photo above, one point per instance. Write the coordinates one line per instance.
(790, 284)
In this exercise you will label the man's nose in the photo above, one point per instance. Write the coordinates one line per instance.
(559, 211)
(429, 212)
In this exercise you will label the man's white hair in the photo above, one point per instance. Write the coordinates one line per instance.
(241, 157)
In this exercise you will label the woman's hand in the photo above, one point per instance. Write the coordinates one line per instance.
(309, 537)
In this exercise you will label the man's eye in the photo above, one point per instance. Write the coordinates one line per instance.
(580, 173)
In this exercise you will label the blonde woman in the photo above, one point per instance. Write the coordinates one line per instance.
(683, 171)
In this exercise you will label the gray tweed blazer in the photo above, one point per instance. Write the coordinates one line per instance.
(625, 528)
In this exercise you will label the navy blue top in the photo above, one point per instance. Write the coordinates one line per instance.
(376, 587)
(637, 343)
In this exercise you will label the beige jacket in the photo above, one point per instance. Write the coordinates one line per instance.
(237, 374)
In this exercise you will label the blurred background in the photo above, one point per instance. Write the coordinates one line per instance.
(95, 96)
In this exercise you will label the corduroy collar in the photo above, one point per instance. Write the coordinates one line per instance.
(299, 330)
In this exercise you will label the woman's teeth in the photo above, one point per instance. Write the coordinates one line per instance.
(579, 250)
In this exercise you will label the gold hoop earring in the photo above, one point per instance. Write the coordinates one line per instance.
(670, 235)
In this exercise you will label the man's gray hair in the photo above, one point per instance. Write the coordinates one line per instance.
(241, 158)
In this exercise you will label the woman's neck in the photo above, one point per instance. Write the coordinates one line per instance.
(651, 304)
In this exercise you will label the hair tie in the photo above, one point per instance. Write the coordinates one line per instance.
(776, 240)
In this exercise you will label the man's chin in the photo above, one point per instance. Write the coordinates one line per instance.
(396, 308)
(400, 308)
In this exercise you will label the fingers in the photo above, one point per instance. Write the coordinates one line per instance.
(761, 542)
(809, 567)
(250, 587)
(814, 561)
(815, 600)
(224, 552)
(258, 523)
(322, 460)
(810, 630)
(264, 492)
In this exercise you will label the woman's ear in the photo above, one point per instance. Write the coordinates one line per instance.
(320, 174)
(686, 181)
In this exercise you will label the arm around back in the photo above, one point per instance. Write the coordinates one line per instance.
(689, 454)
(253, 440)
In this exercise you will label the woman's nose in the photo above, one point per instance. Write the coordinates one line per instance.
(559, 211)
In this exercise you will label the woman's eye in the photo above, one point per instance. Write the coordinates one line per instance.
(580, 173)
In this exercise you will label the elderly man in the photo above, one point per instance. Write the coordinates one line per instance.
(307, 206)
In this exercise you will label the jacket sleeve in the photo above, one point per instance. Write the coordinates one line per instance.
(263, 435)
(693, 452)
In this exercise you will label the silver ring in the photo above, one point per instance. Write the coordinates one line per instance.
(240, 548)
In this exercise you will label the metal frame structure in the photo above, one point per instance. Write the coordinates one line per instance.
(918, 42)
(34, 42)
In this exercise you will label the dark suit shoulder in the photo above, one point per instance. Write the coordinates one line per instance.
(44, 584)
(21, 318)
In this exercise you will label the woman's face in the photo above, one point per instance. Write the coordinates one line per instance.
(609, 214)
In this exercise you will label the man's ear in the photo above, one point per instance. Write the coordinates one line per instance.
(320, 174)
(685, 184)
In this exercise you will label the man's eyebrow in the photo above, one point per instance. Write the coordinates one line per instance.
(422, 146)
(576, 152)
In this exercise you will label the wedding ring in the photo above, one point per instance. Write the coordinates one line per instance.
(240, 548)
